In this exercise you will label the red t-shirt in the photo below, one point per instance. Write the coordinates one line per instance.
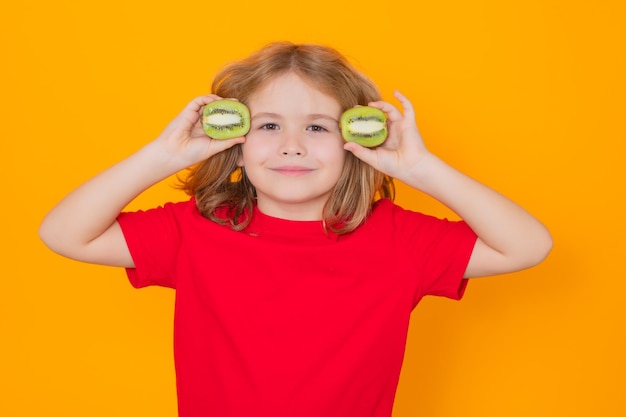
(282, 319)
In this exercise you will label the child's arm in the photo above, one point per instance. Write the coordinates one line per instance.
(509, 238)
(83, 225)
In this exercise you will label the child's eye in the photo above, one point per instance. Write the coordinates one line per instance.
(269, 126)
(317, 128)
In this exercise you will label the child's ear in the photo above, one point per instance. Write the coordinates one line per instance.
(240, 160)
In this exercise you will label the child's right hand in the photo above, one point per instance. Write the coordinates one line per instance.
(185, 142)
(83, 225)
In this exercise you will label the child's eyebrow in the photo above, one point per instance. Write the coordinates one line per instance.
(266, 114)
(322, 116)
(313, 116)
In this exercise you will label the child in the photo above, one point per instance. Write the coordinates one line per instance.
(295, 274)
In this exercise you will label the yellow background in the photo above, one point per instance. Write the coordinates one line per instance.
(528, 97)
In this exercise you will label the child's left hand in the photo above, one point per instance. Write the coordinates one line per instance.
(509, 238)
(403, 150)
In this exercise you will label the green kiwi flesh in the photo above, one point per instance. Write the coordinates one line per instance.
(364, 125)
(225, 119)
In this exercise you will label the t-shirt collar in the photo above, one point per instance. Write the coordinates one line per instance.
(266, 226)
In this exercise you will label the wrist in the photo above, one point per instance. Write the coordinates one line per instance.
(422, 174)
(153, 163)
(159, 158)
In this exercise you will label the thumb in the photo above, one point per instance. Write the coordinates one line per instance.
(364, 154)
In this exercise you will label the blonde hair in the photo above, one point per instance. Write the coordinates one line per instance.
(218, 184)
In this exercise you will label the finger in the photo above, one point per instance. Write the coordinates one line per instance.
(364, 154)
(409, 112)
(222, 145)
(393, 114)
(197, 103)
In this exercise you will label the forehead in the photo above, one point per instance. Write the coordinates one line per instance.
(291, 90)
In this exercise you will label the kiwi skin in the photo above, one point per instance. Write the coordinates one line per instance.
(226, 107)
(349, 124)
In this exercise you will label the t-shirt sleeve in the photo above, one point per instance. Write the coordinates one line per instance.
(153, 239)
(440, 249)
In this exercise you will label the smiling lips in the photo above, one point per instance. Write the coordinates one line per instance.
(292, 170)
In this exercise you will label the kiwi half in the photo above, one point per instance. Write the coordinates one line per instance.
(364, 125)
(225, 119)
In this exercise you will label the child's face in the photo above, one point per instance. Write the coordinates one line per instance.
(293, 154)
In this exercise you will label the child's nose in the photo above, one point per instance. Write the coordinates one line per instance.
(292, 145)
